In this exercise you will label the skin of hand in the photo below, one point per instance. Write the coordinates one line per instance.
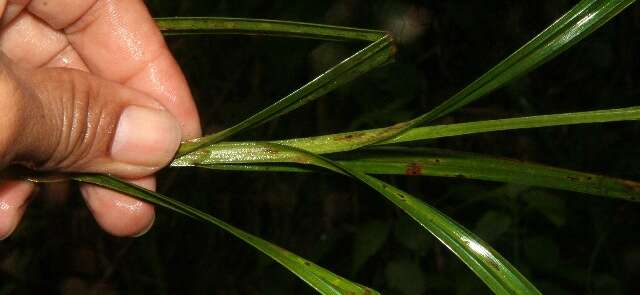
(89, 86)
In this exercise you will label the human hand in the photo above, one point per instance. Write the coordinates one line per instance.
(89, 86)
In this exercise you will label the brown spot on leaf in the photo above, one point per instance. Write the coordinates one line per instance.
(271, 151)
(302, 159)
(493, 264)
(349, 137)
(413, 169)
(632, 185)
(573, 178)
(398, 126)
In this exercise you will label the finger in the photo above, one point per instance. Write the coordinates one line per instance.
(118, 214)
(119, 41)
(67, 58)
(11, 10)
(13, 201)
(73, 121)
(30, 42)
(60, 13)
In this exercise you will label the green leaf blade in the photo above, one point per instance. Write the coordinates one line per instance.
(584, 18)
(448, 163)
(177, 26)
(266, 156)
(317, 277)
(363, 61)
(348, 141)
(575, 25)
(493, 269)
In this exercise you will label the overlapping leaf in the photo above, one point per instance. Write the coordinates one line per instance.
(496, 272)
(492, 268)
(251, 156)
(372, 56)
(317, 277)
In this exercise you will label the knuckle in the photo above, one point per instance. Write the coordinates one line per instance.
(10, 98)
(81, 118)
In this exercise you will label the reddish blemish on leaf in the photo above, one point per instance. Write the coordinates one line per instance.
(271, 151)
(413, 169)
(632, 185)
(349, 137)
(302, 160)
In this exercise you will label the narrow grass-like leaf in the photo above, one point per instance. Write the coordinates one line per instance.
(348, 141)
(438, 131)
(317, 277)
(173, 26)
(493, 269)
(447, 163)
(363, 61)
(584, 18)
(572, 27)
(374, 55)
(251, 156)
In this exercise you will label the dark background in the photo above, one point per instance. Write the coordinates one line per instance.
(565, 243)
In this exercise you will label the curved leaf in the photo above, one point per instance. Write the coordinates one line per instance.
(493, 269)
(363, 61)
(317, 277)
(584, 18)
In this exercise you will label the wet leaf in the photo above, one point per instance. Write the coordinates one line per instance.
(414, 162)
(176, 26)
(493, 269)
(317, 277)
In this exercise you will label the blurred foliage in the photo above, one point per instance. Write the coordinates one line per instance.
(564, 242)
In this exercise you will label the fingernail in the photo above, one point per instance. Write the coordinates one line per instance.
(8, 233)
(146, 230)
(145, 137)
(12, 225)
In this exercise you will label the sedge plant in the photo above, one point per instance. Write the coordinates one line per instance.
(361, 155)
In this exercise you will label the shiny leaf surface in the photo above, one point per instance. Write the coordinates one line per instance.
(317, 277)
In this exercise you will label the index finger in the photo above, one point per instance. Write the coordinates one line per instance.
(118, 40)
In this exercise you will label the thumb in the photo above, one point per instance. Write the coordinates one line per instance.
(67, 120)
